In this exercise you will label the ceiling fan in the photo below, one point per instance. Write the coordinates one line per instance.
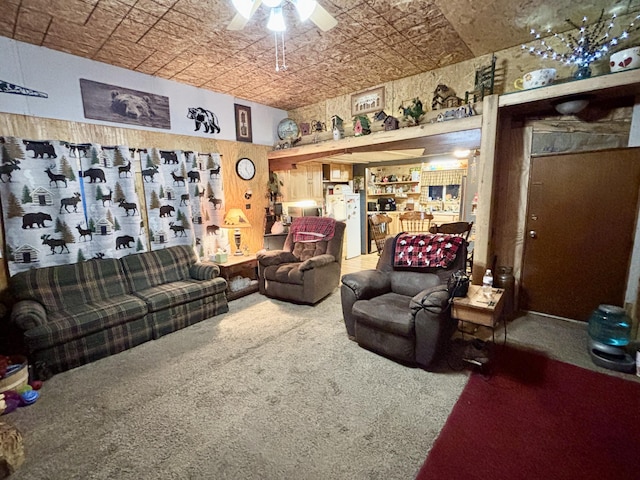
(307, 9)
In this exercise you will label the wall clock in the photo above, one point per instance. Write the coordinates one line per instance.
(245, 168)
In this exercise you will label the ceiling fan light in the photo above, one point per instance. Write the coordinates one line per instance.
(243, 7)
(272, 3)
(276, 20)
(305, 8)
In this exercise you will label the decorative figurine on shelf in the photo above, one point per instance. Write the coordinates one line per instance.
(391, 123)
(588, 44)
(484, 82)
(380, 116)
(318, 126)
(444, 97)
(337, 128)
(305, 128)
(414, 112)
(361, 125)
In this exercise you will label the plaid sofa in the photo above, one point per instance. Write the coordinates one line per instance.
(74, 314)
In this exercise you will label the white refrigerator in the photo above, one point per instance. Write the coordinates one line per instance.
(345, 207)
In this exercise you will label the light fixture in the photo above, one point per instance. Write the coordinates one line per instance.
(305, 8)
(235, 218)
(571, 105)
(243, 7)
(272, 3)
(276, 20)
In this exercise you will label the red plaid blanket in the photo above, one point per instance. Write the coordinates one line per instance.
(312, 229)
(425, 250)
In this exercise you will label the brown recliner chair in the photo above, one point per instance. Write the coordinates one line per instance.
(400, 312)
(302, 272)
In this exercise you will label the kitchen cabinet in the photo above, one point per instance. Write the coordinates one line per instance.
(302, 183)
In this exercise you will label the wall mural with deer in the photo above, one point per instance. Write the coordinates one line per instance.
(64, 203)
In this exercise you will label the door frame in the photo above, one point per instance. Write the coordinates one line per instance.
(600, 156)
(508, 227)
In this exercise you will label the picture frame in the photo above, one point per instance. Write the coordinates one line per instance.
(243, 123)
(117, 104)
(367, 102)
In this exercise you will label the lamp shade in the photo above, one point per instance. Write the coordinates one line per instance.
(276, 20)
(305, 8)
(243, 7)
(235, 218)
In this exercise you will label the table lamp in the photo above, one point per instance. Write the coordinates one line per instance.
(235, 218)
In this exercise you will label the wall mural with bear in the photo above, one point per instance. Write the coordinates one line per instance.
(65, 203)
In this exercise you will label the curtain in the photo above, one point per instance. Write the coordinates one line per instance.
(438, 177)
(60, 203)
(64, 203)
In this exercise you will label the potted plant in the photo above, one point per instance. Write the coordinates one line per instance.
(273, 188)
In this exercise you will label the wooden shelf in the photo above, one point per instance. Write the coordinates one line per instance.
(617, 84)
(397, 183)
(439, 137)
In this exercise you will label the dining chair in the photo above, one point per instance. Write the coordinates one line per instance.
(414, 221)
(379, 225)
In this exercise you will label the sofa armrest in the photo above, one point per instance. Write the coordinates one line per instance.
(433, 324)
(204, 271)
(276, 257)
(433, 300)
(367, 283)
(317, 261)
(28, 314)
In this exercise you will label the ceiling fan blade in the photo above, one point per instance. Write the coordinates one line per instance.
(323, 19)
(238, 22)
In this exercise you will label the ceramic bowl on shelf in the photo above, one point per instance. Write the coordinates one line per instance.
(535, 79)
(625, 59)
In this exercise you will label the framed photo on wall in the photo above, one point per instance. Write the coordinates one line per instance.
(243, 123)
(367, 102)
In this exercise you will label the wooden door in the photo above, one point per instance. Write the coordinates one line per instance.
(579, 232)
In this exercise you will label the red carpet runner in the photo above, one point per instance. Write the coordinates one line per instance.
(537, 418)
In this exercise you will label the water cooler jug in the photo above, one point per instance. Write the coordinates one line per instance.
(609, 332)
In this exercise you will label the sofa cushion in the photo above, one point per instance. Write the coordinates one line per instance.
(148, 269)
(65, 325)
(284, 273)
(306, 250)
(412, 283)
(69, 286)
(177, 293)
(389, 312)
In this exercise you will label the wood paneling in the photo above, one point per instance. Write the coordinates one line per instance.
(234, 188)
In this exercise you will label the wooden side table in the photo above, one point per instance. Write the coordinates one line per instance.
(240, 265)
(476, 309)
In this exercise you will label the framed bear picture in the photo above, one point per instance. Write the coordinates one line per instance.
(124, 105)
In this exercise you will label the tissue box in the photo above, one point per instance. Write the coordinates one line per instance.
(219, 257)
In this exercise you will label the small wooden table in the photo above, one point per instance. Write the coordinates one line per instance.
(240, 265)
(476, 309)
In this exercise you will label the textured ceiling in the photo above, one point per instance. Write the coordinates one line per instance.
(375, 41)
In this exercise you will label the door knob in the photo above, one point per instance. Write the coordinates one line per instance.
(533, 233)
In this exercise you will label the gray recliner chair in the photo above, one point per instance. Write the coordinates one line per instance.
(400, 312)
(302, 272)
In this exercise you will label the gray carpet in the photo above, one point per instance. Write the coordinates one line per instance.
(269, 390)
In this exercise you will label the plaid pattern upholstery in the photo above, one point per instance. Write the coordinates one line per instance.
(95, 346)
(70, 286)
(63, 326)
(177, 293)
(149, 269)
(75, 314)
(181, 316)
